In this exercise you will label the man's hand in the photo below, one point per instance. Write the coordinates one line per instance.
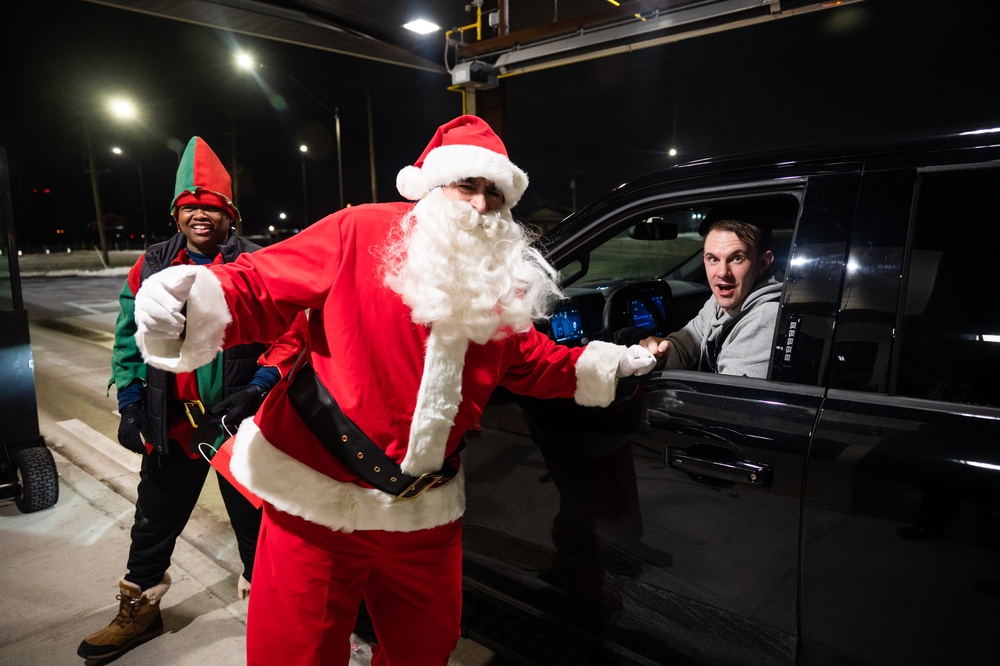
(635, 361)
(658, 347)
(130, 428)
(160, 302)
(234, 409)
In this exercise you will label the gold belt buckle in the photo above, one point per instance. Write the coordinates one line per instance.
(434, 480)
(188, 406)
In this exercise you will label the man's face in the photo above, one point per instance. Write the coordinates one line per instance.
(481, 193)
(731, 268)
(206, 227)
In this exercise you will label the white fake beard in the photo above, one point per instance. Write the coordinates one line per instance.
(468, 275)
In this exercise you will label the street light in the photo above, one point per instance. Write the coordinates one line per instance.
(123, 109)
(142, 195)
(101, 236)
(246, 62)
(305, 208)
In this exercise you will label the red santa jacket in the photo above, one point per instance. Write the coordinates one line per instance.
(370, 356)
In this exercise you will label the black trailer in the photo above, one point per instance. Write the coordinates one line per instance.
(28, 474)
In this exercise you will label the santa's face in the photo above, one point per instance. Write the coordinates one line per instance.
(466, 272)
(480, 193)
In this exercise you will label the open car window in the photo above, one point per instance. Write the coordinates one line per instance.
(643, 270)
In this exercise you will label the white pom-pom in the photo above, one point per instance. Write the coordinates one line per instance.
(410, 183)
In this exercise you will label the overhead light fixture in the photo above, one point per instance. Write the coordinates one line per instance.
(422, 27)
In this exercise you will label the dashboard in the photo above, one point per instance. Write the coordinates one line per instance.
(597, 311)
(579, 320)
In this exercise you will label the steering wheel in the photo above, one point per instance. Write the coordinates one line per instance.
(618, 312)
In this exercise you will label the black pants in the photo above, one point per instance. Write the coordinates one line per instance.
(168, 491)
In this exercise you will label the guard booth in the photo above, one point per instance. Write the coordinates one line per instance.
(28, 473)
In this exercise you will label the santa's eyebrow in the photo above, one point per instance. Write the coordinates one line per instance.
(490, 188)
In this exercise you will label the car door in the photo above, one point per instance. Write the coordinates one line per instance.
(902, 521)
(666, 527)
(728, 503)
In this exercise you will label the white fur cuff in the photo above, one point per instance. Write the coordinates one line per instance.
(207, 318)
(596, 378)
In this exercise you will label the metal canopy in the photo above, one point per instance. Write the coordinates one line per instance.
(516, 36)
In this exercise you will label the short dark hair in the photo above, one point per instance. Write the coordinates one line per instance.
(756, 239)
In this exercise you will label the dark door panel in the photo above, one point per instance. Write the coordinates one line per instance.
(901, 532)
(601, 533)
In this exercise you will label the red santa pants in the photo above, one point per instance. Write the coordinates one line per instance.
(309, 580)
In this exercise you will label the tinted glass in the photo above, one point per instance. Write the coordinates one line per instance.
(950, 337)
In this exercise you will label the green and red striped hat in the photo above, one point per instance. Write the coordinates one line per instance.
(201, 179)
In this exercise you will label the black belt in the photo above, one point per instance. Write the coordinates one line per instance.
(206, 427)
(352, 447)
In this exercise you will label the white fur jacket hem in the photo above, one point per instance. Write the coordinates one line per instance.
(298, 489)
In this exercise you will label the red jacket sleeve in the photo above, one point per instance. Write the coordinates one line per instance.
(286, 350)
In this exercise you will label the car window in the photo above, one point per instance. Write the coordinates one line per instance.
(642, 251)
(949, 342)
(642, 271)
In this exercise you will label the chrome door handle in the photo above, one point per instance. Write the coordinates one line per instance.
(737, 471)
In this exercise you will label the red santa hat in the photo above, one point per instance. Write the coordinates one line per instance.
(466, 147)
(202, 180)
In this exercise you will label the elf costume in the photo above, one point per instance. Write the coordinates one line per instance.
(167, 407)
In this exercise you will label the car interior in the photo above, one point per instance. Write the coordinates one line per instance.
(648, 278)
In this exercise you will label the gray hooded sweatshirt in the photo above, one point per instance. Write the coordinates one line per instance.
(739, 340)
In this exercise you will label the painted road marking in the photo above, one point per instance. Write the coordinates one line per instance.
(102, 444)
(96, 307)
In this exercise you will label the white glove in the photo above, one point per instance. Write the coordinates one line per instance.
(635, 360)
(161, 299)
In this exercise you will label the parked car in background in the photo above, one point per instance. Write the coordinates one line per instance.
(844, 510)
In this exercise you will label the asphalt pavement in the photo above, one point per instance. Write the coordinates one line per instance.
(60, 567)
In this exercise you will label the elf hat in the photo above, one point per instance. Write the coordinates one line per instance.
(201, 179)
(466, 147)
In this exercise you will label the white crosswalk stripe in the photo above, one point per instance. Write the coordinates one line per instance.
(101, 444)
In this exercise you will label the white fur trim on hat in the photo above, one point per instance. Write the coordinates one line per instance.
(410, 183)
(596, 378)
(207, 318)
(451, 163)
(296, 488)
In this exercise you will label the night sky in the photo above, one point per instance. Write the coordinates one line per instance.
(870, 69)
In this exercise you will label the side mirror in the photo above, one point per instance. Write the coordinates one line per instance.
(653, 229)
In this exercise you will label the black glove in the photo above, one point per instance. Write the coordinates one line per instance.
(239, 406)
(129, 430)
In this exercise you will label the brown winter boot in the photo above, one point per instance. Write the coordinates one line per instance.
(138, 620)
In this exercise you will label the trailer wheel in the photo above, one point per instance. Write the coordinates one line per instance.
(37, 479)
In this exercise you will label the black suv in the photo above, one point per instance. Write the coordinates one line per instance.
(846, 509)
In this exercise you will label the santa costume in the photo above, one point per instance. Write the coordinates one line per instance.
(402, 377)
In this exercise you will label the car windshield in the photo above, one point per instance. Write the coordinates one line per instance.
(649, 249)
